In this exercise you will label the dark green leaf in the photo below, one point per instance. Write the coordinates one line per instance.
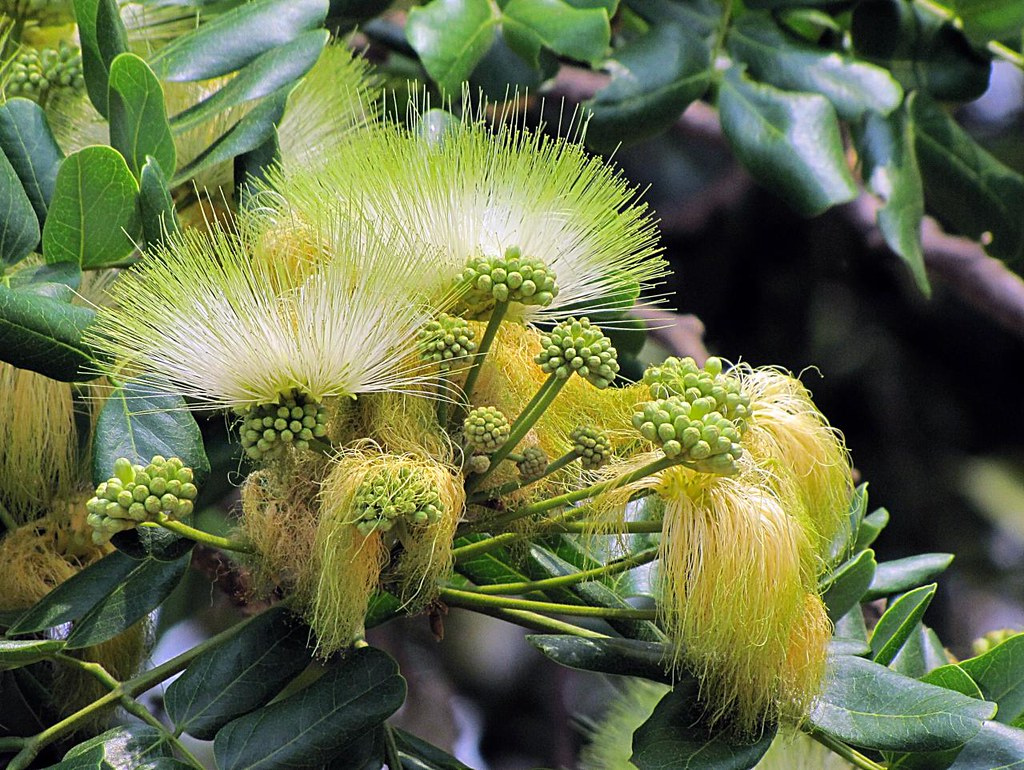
(103, 37)
(359, 692)
(1000, 675)
(156, 542)
(871, 706)
(899, 621)
(251, 170)
(267, 73)
(488, 568)
(27, 703)
(871, 528)
(427, 756)
(156, 207)
(626, 657)
(953, 677)
(841, 645)
(922, 653)
(886, 147)
(28, 143)
(899, 575)
(920, 49)
(852, 626)
(94, 214)
(582, 34)
(19, 228)
(247, 134)
(451, 37)
(854, 87)
(15, 653)
(985, 20)
(676, 737)
(44, 335)
(654, 78)
(75, 597)
(789, 142)
(997, 746)
(240, 675)
(26, 279)
(149, 583)
(139, 747)
(234, 39)
(843, 590)
(704, 17)
(138, 120)
(843, 543)
(139, 424)
(965, 187)
(383, 607)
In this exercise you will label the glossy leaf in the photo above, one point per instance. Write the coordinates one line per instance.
(424, 755)
(138, 424)
(27, 278)
(451, 37)
(28, 143)
(899, 575)
(356, 694)
(703, 17)
(19, 228)
(102, 36)
(44, 335)
(94, 214)
(138, 120)
(240, 675)
(899, 621)
(156, 207)
(627, 657)
(965, 187)
(886, 148)
(654, 78)
(920, 654)
(676, 736)
(869, 705)
(871, 528)
(842, 545)
(15, 653)
(996, 746)
(845, 587)
(488, 568)
(234, 39)
(122, 748)
(582, 34)
(998, 673)
(789, 142)
(156, 542)
(985, 20)
(772, 56)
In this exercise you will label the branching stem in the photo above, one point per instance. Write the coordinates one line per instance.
(612, 568)
(473, 600)
(513, 486)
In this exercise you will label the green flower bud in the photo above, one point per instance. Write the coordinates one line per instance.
(533, 464)
(682, 377)
(479, 464)
(390, 494)
(593, 447)
(693, 432)
(486, 429)
(579, 346)
(268, 429)
(509, 278)
(446, 338)
(36, 72)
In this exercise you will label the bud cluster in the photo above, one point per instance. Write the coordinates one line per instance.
(139, 493)
(693, 432)
(682, 377)
(533, 464)
(446, 338)
(34, 73)
(593, 447)
(45, 13)
(486, 429)
(509, 278)
(268, 428)
(478, 464)
(393, 494)
(581, 347)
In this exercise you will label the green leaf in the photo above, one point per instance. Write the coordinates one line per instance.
(582, 34)
(383, 607)
(44, 335)
(15, 653)
(1000, 675)
(426, 755)
(75, 597)
(871, 528)
(676, 736)
(247, 134)
(899, 621)
(843, 543)
(94, 214)
(240, 675)
(103, 37)
(122, 748)
(30, 278)
(920, 49)
(985, 20)
(704, 17)
(148, 583)
(28, 143)
(654, 78)
(843, 589)
(899, 575)
(626, 657)
(853, 87)
(234, 39)
(965, 187)
(19, 228)
(789, 142)
(138, 120)
(852, 626)
(886, 148)
(869, 705)
(263, 76)
(921, 653)
(488, 568)
(358, 693)
(953, 677)
(155, 542)
(156, 207)
(996, 746)
(451, 37)
(841, 645)
(138, 424)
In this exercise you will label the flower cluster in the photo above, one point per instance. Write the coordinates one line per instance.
(137, 493)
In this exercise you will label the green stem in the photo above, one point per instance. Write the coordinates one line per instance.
(537, 622)
(512, 486)
(612, 568)
(464, 552)
(497, 315)
(442, 400)
(473, 599)
(623, 528)
(323, 447)
(850, 755)
(180, 528)
(1005, 53)
(394, 762)
(7, 519)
